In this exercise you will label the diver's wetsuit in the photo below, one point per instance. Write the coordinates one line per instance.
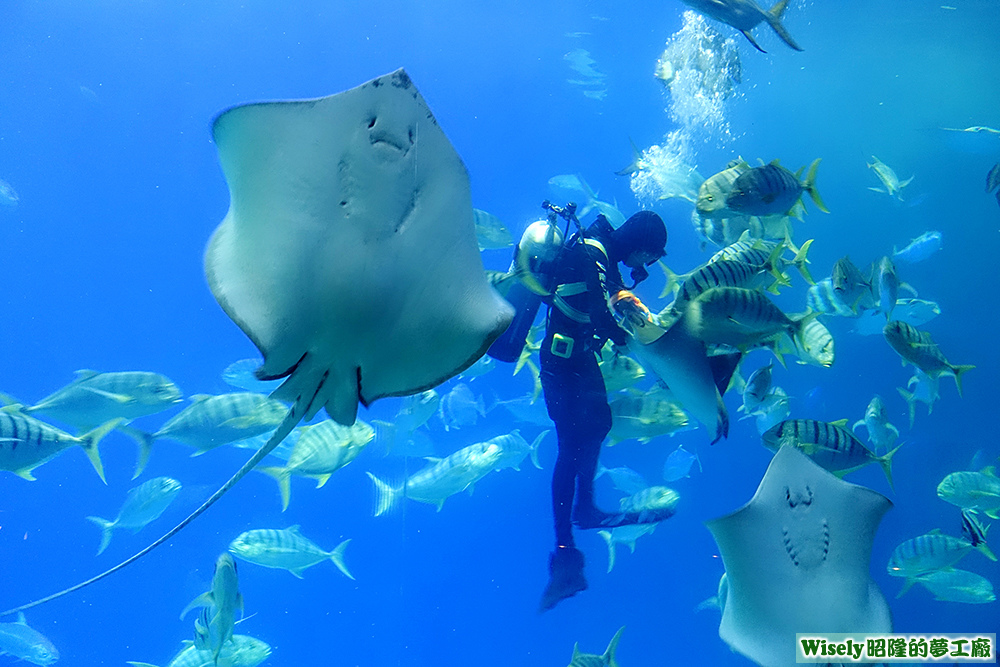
(579, 322)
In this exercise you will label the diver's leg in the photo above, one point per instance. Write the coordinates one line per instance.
(566, 561)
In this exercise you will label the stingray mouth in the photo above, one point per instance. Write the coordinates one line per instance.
(796, 497)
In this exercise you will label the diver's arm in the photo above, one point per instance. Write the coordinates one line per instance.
(605, 325)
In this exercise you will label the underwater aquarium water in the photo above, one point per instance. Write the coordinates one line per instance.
(110, 187)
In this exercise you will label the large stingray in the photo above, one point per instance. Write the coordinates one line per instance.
(348, 255)
(797, 559)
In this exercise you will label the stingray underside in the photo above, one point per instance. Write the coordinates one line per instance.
(348, 255)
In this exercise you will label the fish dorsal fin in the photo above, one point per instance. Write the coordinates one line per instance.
(12, 408)
(989, 471)
(936, 531)
(84, 374)
(433, 459)
(840, 422)
(21, 620)
(774, 163)
(576, 651)
(198, 398)
(293, 529)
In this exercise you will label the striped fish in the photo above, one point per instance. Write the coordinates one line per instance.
(606, 659)
(917, 348)
(286, 549)
(851, 286)
(767, 254)
(829, 444)
(321, 450)
(26, 443)
(976, 491)
(929, 553)
(653, 498)
(211, 421)
(242, 651)
(772, 190)
(712, 194)
(144, 504)
(441, 479)
(723, 273)
(975, 531)
(738, 317)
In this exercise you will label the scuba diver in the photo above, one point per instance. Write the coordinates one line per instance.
(581, 277)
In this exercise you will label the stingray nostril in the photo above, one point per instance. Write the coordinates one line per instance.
(371, 122)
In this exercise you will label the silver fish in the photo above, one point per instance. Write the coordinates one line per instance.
(143, 505)
(891, 185)
(954, 585)
(918, 348)
(242, 651)
(321, 450)
(20, 641)
(627, 535)
(976, 491)
(927, 553)
(220, 602)
(881, 433)
(441, 479)
(744, 15)
(919, 248)
(211, 421)
(286, 549)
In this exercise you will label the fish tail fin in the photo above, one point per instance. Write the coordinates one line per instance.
(337, 556)
(609, 654)
(985, 550)
(533, 453)
(959, 370)
(910, 403)
(774, 19)
(886, 462)
(606, 536)
(90, 440)
(385, 495)
(672, 284)
(800, 260)
(106, 528)
(810, 186)
(774, 264)
(283, 476)
(144, 441)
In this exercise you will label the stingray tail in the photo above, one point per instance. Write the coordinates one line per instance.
(291, 419)
(886, 462)
(773, 17)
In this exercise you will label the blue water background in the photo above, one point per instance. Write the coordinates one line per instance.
(104, 116)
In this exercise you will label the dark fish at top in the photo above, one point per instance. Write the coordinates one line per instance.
(993, 180)
(744, 15)
(772, 190)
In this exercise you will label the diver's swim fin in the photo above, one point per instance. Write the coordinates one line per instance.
(565, 577)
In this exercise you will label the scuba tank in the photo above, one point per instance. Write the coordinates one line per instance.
(534, 256)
